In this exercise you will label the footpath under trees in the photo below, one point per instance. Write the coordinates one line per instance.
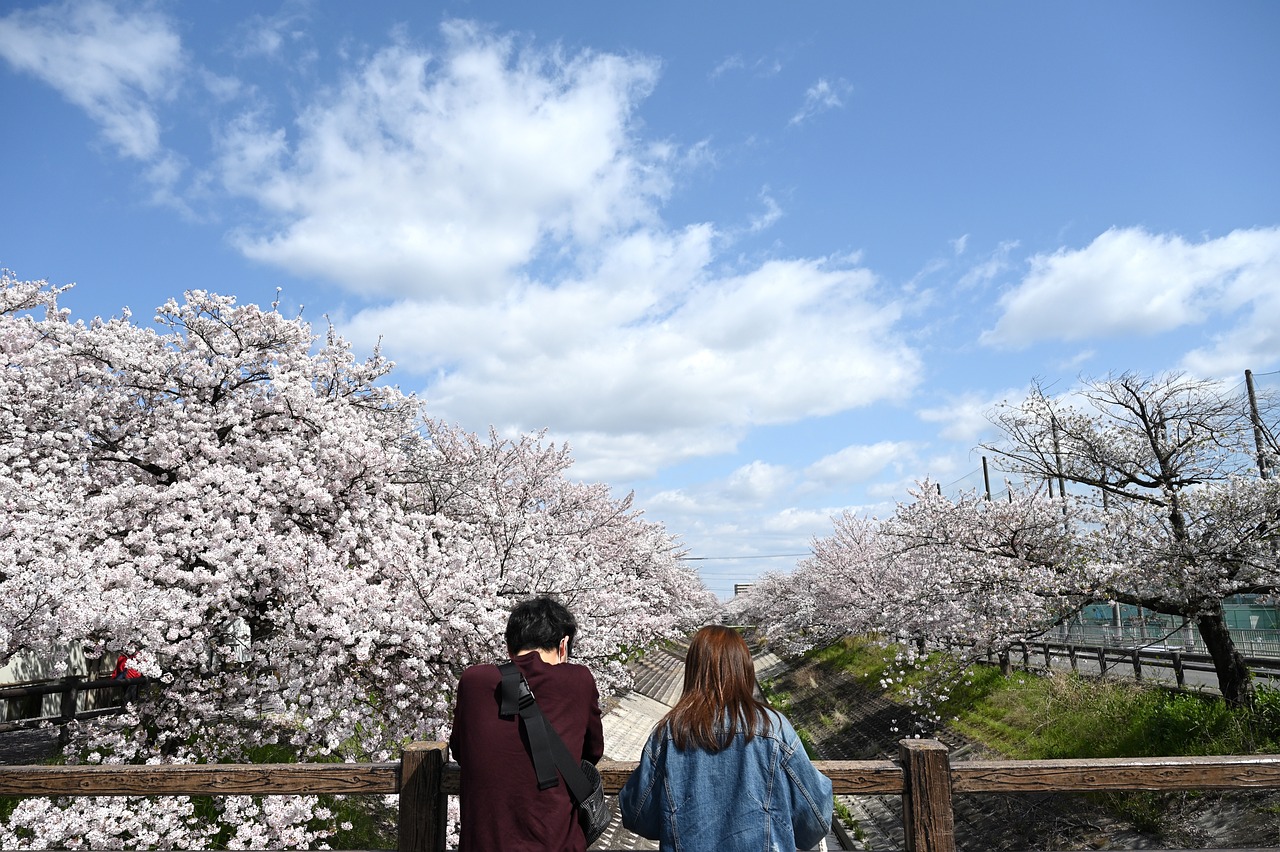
(1163, 500)
(303, 558)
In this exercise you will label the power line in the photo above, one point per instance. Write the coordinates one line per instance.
(968, 475)
(762, 556)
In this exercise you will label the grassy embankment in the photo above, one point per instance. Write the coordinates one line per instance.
(1031, 716)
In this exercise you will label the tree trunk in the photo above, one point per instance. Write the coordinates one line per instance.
(1234, 680)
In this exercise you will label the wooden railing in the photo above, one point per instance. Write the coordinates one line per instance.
(70, 689)
(924, 778)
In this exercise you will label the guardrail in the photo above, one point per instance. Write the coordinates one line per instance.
(1108, 657)
(924, 777)
(1143, 633)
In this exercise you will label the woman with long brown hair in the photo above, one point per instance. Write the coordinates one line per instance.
(723, 770)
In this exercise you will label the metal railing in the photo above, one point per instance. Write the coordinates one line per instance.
(1138, 658)
(1156, 634)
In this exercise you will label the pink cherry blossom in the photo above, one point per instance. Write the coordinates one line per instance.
(286, 541)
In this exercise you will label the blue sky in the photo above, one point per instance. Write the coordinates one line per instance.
(759, 263)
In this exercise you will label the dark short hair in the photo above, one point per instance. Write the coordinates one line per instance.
(538, 624)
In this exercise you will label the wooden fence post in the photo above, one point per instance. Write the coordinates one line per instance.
(70, 685)
(1137, 666)
(424, 809)
(1071, 654)
(1048, 657)
(1026, 657)
(1177, 669)
(927, 818)
(1102, 663)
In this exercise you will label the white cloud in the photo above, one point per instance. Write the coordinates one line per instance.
(267, 35)
(801, 522)
(772, 213)
(952, 472)
(858, 463)
(506, 198)
(603, 457)
(114, 65)
(1084, 356)
(758, 481)
(733, 62)
(764, 66)
(425, 175)
(222, 88)
(749, 539)
(964, 417)
(736, 536)
(653, 344)
(263, 40)
(989, 268)
(1131, 282)
(1254, 343)
(822, 96)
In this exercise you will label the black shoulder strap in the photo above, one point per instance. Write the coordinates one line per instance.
(549, 751)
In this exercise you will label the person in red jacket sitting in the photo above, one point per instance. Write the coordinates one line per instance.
(126, 672)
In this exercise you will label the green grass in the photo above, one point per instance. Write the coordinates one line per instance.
(1028, 716)
(860, 656)
(1060, 716)
(1068, 716)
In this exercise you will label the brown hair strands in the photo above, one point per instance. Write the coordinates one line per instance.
(719, 697)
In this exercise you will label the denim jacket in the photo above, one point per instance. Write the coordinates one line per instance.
(757, 796)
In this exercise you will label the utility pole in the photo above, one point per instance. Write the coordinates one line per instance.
(1062, 481)
(1257, 425)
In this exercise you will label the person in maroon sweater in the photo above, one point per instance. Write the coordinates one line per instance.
(502, 807)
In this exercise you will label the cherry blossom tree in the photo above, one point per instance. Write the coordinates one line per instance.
(1175, 510)
(963, 573)
(1163, 511)
(982, 573)
(306, 560)
(530, 530)
(969, 575)
(837, 592)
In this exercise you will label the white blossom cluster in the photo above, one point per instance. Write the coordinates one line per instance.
(968, 572)
(1166, 511)
(303, 559)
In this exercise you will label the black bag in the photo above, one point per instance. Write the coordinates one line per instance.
(549, 754)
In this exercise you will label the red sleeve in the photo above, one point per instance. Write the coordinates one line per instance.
(593, 742)
(460, 710)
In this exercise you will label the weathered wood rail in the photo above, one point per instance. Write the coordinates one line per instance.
(924, 777)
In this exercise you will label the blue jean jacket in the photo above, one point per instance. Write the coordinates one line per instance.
(758, 796)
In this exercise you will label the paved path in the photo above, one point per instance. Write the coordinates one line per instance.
(659, 676)
(30, 746)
